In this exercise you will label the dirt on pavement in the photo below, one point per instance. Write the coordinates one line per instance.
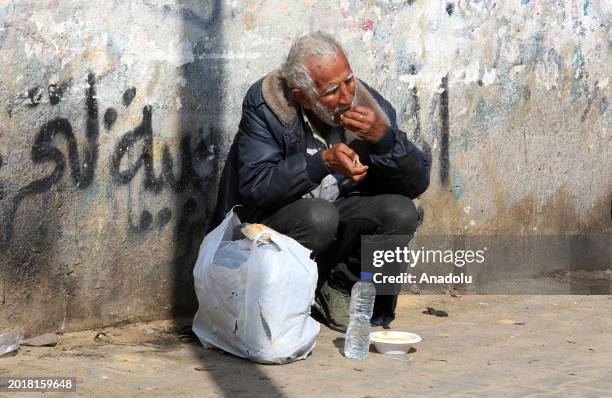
(486, 346)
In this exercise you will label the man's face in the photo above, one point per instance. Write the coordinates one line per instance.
(334, 89)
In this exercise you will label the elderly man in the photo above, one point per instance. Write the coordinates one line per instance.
(319, 157)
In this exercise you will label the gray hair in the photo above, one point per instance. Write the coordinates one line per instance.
(317, 44)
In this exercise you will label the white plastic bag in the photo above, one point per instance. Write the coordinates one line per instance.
(254, 296)
(9, 340)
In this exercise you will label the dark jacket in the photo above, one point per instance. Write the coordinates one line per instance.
(267, 166)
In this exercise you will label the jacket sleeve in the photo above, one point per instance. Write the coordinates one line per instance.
(396, 165)
(268, 179)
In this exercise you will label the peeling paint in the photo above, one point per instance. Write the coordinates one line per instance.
(489, 76)
(458, 187)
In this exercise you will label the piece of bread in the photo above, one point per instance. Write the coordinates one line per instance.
(251, 231)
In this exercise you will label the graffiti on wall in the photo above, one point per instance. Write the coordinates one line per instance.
(82, 169)
(195, 163)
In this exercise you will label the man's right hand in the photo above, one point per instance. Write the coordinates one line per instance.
(340, 159)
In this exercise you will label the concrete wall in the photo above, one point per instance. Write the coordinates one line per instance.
(115, 118)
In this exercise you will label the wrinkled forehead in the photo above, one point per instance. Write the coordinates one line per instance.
(327, 72)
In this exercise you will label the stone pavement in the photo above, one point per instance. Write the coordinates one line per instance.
(501, 346)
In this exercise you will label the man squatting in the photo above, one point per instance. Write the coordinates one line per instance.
(319, 157)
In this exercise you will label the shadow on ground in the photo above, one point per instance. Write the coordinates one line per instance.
(202, 131)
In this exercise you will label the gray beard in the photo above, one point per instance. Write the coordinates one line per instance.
(324, 114)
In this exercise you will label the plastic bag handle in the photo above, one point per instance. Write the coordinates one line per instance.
(274, 238)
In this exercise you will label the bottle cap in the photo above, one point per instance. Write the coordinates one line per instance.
(366, 276)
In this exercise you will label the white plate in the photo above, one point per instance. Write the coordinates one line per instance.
(393, 342)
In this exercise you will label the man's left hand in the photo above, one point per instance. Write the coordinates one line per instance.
(365, 122)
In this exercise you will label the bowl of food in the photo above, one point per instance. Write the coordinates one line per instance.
(393, 342)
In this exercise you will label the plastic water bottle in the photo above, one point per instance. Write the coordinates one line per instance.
(357, 342)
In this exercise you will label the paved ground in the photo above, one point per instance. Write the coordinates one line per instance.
(555, 346)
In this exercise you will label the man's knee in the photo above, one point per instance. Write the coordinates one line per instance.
(400, 216)
(318, 219)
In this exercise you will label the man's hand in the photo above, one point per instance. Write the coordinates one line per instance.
(365, 122)
(341, 159)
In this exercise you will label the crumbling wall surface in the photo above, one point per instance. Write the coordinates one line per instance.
(115, 118)
(110, 121)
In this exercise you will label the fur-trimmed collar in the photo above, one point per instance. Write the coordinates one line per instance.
(278, 97)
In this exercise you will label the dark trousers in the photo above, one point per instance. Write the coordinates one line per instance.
(332, 230)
